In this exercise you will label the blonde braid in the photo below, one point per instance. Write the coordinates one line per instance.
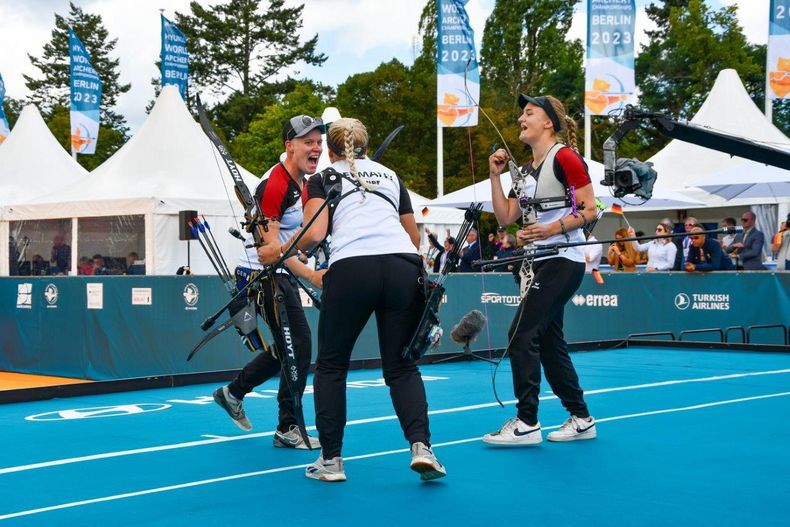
(355, 138)
(569, 123)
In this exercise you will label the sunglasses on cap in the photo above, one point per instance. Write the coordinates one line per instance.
(301, 125)
(544, 103)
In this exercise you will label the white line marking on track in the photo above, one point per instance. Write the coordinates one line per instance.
(190, 444)
(168, 488)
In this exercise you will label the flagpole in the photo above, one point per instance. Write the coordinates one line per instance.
(439, 161)
(587, 134)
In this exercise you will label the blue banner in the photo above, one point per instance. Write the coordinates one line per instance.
(456, 61)
(4, 128)
(86, 89)
(610, 82)
(175, 59)
(778, 65)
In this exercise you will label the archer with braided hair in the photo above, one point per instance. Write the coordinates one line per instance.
(374, 267)
(558, 178)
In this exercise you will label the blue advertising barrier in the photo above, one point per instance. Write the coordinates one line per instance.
(105, 328)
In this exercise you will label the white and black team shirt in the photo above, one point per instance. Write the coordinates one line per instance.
(370, 226)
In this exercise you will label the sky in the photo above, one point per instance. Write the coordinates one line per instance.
(356, 35)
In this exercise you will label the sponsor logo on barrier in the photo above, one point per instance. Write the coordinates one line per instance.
(191, 295)
(703, 301)
(99, 411)
(496, 298)
(24, 296)
(141, 296)
(51, 296)
(596, 300)
(95, 294)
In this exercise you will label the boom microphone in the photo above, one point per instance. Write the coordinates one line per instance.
(469, 327)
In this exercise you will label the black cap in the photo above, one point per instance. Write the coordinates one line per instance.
(542, 102)
(300, 126)
(500, 229)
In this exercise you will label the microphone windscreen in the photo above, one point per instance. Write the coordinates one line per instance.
(468, 327)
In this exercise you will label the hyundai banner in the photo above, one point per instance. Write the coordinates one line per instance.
(174, 58)
(457, 74)
(609, 79)
(86, 89)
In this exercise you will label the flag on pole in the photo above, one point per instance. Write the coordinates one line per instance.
(609, 78)
(457, 74)
(174, 57)
(778, 55)
(616, 209)
(86, 89)
(5, 129)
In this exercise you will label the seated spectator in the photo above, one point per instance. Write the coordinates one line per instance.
(184, 270)
(706, 254)
(85, 266)
(134, 266)
(622, 256)
(38, 266)
(660, 252)
(60, 257)
(98, 266)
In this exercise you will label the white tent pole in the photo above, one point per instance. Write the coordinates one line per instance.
(75, 245)
(439, 162)
(150, 256)
(5, 269)
(587, 136)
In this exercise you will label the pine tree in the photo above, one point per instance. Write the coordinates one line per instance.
(52, 89)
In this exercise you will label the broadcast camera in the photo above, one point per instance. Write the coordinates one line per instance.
(632, 176)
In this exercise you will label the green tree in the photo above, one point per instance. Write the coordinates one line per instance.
(237, 48)
(260, 147)
(12, 108)
(52, 89)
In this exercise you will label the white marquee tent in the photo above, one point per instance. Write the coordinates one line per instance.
(728, 108)
(168, 166)
(32, 164)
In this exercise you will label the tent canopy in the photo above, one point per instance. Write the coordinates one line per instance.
(728, 108)
(32, 162)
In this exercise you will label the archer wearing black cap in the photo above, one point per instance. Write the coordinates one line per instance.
(557, 174)
(279, 200)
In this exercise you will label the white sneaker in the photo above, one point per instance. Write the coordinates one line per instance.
(573, 429)
(515, 432)
(293, 439)
(424, 462)
(330, 470)
(234, 407)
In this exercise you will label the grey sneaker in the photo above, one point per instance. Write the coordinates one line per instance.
(515, 432)
(234, 407)
(574, 429)
(293, 439)
(424, 462)
(330, 470)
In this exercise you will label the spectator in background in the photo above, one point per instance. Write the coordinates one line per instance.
(660, 252)
(440, 256)
(85, 266)
(184, 270)
(781, 246)
(98, 266)
(706, 254)
(508, 246)
(60, 258)
(470, 253)
(133, 264)
(748, 245)
(38, 267)
(682, 244)
(622, 256)
(592, 254)
(491, 246)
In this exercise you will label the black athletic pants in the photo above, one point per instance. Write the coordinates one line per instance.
(264, 366)
(355, 288)
(536, 339)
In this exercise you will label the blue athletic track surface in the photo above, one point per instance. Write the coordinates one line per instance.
(685, 437)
